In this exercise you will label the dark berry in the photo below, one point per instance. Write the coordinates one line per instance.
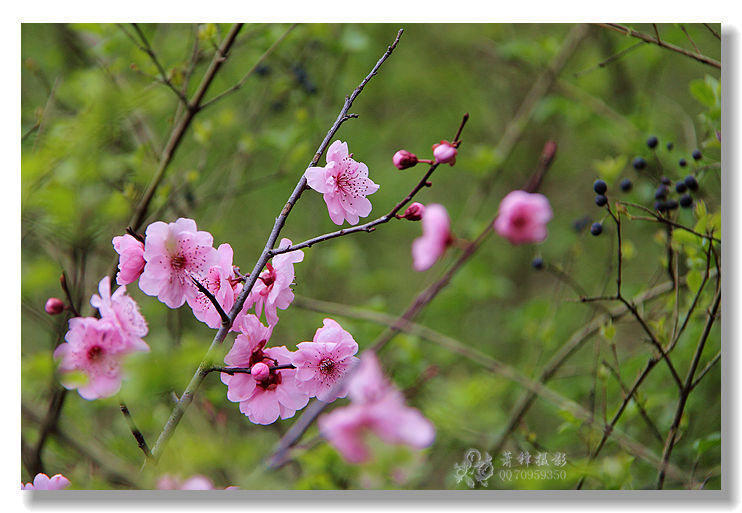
(660, 206)
(596, 229)
(600, 186)
(691, 182)
(652, 142)
(686, 201)
(682, 163)
(681, 187)
(639, 163)
(697, 155)
(626, 185)
(670, 146)
(581, 223)
(671, 204)
(262, 70)
(665, 180)
(661, 192)
(537, 263)
(601, 200)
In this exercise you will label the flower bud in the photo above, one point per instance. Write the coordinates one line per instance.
(404, 159)
(414, 212)
(444, 153)
(54, 306)
(260, 371)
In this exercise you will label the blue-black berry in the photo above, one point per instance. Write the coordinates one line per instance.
(686, 201)
(639, 163)
(601, 200)
(626, 185)
(537, 263)
(691, 182)
(580, 224)
(697, 155)
(600, 186)
(660, 206)
(682, 163)
(670, 146)
(681, 187)
(652, 142)
(661, 192)
(665, 180)
(671, 204)
(596, 229)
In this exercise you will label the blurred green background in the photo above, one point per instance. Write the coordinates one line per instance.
(95, 119)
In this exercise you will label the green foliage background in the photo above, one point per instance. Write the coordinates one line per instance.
(95, 121)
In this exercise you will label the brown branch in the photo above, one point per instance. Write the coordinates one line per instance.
(220, 310)
(657, 41)
(138, 436)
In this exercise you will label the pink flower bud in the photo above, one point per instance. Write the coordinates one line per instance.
(404, 159)
(414, 212)
(260, 371)
(444, 153)
(54, 306)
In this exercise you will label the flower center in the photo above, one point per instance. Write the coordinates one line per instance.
(94, 353)
(327, 366)
(178, 262)
(520, 221)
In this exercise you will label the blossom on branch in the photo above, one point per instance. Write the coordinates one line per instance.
(522, 217)
(263, 398)
(436, 237)
(322, 363)
(272, 290)
(344, 183)
(131, 258)
(445, 153)
(174, 252)
(376, 407)
(44, 482)
(220, 281)
(123, 312)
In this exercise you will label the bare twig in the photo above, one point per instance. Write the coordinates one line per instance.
(220, 310)
(613, 58)
(715, 33)
(199, 375)
(689, 39)
(138, 436)
(657, 41)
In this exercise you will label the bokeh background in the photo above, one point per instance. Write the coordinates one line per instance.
(95, 119)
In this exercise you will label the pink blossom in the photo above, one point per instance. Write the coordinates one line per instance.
(131, 258)
(414, 212)
(174, 252)
(264, 400)
(344, 184)
(94, 348)
(273, 289)
(44, 482)
(322, 363)
(436, 237)
(220, 281)
(54, 306)
(522, 217)
(444, 153)
(123, 312)
(377, 407)
(197, 482)
(260, 371)
(403, 159)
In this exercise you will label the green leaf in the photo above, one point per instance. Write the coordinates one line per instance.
(694, 279)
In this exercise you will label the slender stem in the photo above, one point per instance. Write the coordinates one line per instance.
(138, 436)
(657, 41)
(715, 33)
(706, 369)
(224, 316)
(200, 373)
(246, 370)
(691, 40)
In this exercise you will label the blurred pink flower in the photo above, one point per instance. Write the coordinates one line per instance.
(93, 347)
(522, 217)
(444, 153)
(264, 400)
(322, 363)
(376, 407)
(54, 306)
(436, 237)
(173, 253)
(131, 258)
(197, 482)
(344, 184)
(219, 280)
(44, 482)
(273, 289)
(123, 312)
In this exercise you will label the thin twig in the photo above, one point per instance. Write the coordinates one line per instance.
(220, 310)
(659, 218)
(138, 436)
(689, 39)
(715, 33)
(199, 375)
(613, 58)
(657, 41)
(706, 369)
